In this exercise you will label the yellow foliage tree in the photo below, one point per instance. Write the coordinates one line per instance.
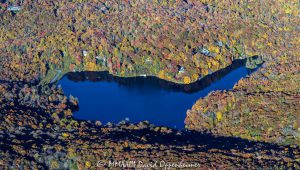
(90, 66)
(214, 49)
(195, 76)
(65, 135)
(219, 116)
(186, 80)
(161, 74)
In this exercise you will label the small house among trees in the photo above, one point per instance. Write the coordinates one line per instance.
(14, 8)
(181, 70)
(84, 53)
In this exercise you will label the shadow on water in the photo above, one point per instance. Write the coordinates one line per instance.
(135, 82)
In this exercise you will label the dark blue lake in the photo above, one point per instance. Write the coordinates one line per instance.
(112, 99)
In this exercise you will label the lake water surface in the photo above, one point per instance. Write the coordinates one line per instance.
(112, 99)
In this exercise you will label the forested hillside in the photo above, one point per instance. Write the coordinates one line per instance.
(263, 107)
(156, 37)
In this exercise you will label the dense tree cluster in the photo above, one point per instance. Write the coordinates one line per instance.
(154, 37)
(263, 107)
(51, 100)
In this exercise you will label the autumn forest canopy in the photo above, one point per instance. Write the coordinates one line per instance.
(154, 37)
(256, 124)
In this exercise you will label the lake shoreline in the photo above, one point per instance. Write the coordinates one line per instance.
(98, 92)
